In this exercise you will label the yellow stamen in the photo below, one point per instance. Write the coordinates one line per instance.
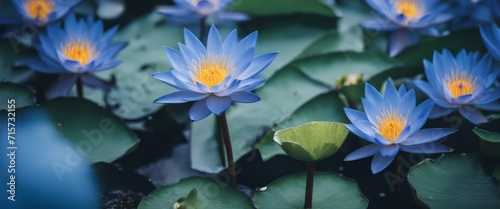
(79, 50)
(212, 70)
(391, 125)
(459, 84)
(409, 8)
(38, 8)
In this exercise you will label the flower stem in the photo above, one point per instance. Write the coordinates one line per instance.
(79, 87)
(203, 29)
(309, 185)
(229, 149)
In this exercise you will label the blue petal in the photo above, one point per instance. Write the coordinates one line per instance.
(363, 152)
(390, 150)
(180, 97)
(473, 115)
(391, 94)
(355, 130)
(218, 104)
(93, 81)
(242, 63)
(431, 92)
(257, 65)
(428, 148)
(365, 126)
(464, 99)
(355, 115)
(194, 43)
(176, 59)
(37, 65)
(246, 43)
(428, 135)
(199, 110)
(230, 89)
(439, 111)
(244, 97)
(232, 16)
(62, 86)
(490, 40)
(251, 83)
(402, 90)
(372, 110)
(230, 43)
(371, 94)
(380, 162)
(492, 106)
(214, 41)
(379, 25)
(399, 40)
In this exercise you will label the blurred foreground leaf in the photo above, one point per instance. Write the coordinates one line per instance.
(14, 94)
(283, 7)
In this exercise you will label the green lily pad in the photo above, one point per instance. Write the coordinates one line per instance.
(327, 68)
(248, 122)
(15, 96)
(92, 132)
(198, 193)
(454, 181)
(283, 7)
(325, 107)
(489, 143)
(312, 141)
(329, 191)
(10, 51)
(135, 88)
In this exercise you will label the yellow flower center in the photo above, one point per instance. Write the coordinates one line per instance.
(212, 70)
(391, 125)
(409, 8)
(38, 8)
(460, 84)
(79, 50)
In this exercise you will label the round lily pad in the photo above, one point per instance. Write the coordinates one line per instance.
(454, 181)
(15, 96)
(312, 141)
(196, 193)
(330, 191)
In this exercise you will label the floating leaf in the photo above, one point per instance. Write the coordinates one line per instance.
(283, 7)
(489, 143)
(329, 191)
(199, 193)
(325, 107)
(17, 95)
(249, 121)
(454, 181)
(334, 41)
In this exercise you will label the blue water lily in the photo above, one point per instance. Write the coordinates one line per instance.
(392, 123)
(471, 13)
(491, 38)
(216, 75)
(462, 83)
(80, 48)
(190, 11)
(405, 19)
(39, 12)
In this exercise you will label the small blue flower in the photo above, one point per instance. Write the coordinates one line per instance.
(406, 19)
(214, 76)
(463, 82)
(491, 38)
(40, 12)
(392, 123)
(191, 11)
(81, 47)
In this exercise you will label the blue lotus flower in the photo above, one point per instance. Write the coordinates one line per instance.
(190, 11)
(405, 19)
(80, 48)
(39, 12)
(491, 38)
(463, 82)
(392, 123)
(214, 76)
